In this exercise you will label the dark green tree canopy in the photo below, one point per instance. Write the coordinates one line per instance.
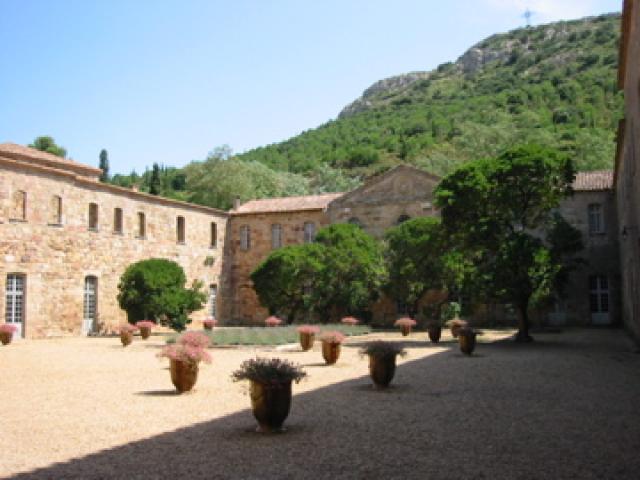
(48, 144)
(155, 289)
(104, 166)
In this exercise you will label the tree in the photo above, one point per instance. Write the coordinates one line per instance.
(155, 289)
(285, 280)
(104, 166)
(496, 210)
(47, 144)
(352, 271)
(154, 184)
(415, 259)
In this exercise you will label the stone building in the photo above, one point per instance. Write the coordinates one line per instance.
(627, 166)
(65, 239)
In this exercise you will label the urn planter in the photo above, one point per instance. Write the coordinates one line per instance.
(270, 403)
(467, 340)
(307, 340)
(434, 334)
(330, 352)
(405, 329)
(145, 332)
(382, 368)
(456, 326)
(126, 338)
(184, 375)
(6, 337)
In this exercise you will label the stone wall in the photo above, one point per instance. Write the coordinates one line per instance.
(56, 257)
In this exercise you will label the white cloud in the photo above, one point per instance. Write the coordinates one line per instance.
(546, 10)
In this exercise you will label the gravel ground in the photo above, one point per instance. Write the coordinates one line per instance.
(566, 406)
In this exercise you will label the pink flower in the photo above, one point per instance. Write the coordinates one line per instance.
(272, 321)
(332, 337)
(194, 339)
(127, 328)
(310, 329)
(145, 324)
(405, 322)
(185, 353)
(8, 328)
(350, 321)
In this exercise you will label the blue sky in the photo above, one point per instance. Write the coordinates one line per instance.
(167, 80)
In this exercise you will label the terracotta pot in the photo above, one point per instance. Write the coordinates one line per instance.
(270, 403)
(145, 332)
(306, 340)
(183, 375)
(382, 368)
(456, 327)
(208, 327)
(405, 329)
(467, 341)
(6, 337)
(330, 352)
(434, 334)
(126, 338)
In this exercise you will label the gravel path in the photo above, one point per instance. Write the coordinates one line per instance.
(566, 406)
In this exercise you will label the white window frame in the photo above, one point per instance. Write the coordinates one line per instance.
(213, 299)
(90, 299)
(245, 237)
(15, 298)
(595, 214)
(276, 236)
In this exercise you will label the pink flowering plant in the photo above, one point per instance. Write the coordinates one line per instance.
(332, 337)
(308, 329)
(350, 321)
(8, 328)
(145, 324)
(405, 322)
(194, 339)
(128, 328)
(272, 321)
(185, 353)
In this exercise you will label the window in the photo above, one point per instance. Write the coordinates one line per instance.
(117, 220)
(213, 296)
(214, 235)
(245, 237)
(402, 219)
(142, 225)
(596, 219)
(55, 214)
(309, 232)
(355, 221)
(180, 230)
(276, 236)
(599, 294)
(14, 300)
(90, 304)
(93, 216)
(19, 207)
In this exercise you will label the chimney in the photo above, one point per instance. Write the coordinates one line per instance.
(236, 203)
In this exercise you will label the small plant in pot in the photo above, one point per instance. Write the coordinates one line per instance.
(307, 336)
(382, 361)
(145, 327)
(273, 321)
(209, 323)
(405, 324)
(126, 333)
(6, 333)
(185, 356)
(351, 321)
(270, 387)
(467, 340)
(455, 325)
(331, 341)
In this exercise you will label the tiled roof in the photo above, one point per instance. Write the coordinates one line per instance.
(21, 152)
(595, 180)
(287, 204)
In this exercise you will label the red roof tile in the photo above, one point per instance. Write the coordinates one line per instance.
(21, 152)
(595, 180)
(287, 204)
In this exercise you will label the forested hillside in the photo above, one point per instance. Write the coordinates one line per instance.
(553, 84)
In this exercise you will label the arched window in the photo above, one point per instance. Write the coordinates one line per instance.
(142, 225)
(309, 232)
(180, 230)
(93, 216)
(214, 235)
(276, 236)
(245, 237)
(402, 219)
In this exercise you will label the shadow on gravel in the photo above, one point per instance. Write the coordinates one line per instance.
(497, 416)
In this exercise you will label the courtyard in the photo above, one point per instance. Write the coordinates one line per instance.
(564, 406)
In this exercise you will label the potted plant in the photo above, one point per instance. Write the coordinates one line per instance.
(382, 361)
(307, 336)
(126, 333)
(145, 327)
(272, 321)
(455, 325)
(209, 323)
(270, 388)
(184, 357)
(405, 324)
(467, 340)
(351, 321)
(434, 330)
(6, 333)
(331, 341)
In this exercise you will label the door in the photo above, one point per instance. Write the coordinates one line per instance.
(90, 303)
(14, 313)
(599, 299)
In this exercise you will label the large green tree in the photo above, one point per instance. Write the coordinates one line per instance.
(155, 183)
(496, 211)
(156, 289)
(285, 280)
(48, 144)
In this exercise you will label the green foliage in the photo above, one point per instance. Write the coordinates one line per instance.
(48, 144)
(104, 166)
(154, 184)
(268, 370)
(155, 289)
